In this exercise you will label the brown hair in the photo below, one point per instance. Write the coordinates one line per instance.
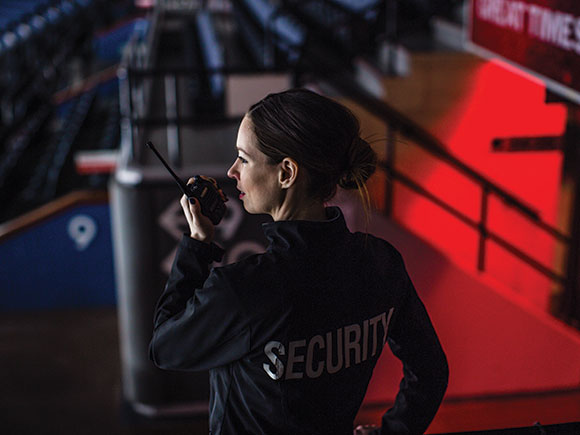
(320, 134)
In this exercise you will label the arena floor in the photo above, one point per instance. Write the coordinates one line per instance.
(61, 375)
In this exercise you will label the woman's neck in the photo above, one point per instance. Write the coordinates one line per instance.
(299, 208)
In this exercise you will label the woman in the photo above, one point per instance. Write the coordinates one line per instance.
(291, 336)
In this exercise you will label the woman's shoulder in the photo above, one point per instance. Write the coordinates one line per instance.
(249, 269)
(380, 245)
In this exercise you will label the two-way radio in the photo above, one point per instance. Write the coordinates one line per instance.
(205, 189)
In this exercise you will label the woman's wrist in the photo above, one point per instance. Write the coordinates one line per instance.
(201, 237)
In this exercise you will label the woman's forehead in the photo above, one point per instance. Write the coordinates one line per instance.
(246, 141)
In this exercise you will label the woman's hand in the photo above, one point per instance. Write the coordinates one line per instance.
(200, 227)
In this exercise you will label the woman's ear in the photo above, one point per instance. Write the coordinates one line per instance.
(288, 172)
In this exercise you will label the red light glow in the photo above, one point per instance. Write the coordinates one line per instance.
(501, 102)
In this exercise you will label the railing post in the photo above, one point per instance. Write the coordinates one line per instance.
(569, 304)
(391, 30)
(482, 229)
(171, 112)
(390, 163)
(126, 110)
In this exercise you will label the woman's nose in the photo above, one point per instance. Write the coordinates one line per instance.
(232, 173)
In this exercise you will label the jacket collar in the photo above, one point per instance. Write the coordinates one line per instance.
(284, 235)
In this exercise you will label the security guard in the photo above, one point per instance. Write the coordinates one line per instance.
(291, 336)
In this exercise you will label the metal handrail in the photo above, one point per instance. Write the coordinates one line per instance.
(131, 78)
(160, 71)
(399, 123)
(475, 225)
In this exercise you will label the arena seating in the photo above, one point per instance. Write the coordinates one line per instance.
(47, 46)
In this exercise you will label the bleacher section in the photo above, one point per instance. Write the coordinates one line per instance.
(46, 49)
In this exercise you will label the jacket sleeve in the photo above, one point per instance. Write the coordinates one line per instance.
(414, 341)
(198, 322)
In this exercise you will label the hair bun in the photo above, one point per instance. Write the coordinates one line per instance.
(360, 164)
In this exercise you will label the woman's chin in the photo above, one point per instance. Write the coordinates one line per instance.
(250, 210)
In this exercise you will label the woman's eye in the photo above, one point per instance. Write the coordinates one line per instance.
(242, 159)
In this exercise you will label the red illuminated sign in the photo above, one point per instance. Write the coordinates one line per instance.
(543, 36)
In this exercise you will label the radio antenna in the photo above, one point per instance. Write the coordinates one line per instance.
(179, 181)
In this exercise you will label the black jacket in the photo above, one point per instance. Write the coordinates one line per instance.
(291, 336)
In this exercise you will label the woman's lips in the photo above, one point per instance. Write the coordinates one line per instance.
(242, 194)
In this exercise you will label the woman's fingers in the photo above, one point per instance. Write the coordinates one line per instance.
(200, 226)
(192, 210)
(185, 206)
(196, 206)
